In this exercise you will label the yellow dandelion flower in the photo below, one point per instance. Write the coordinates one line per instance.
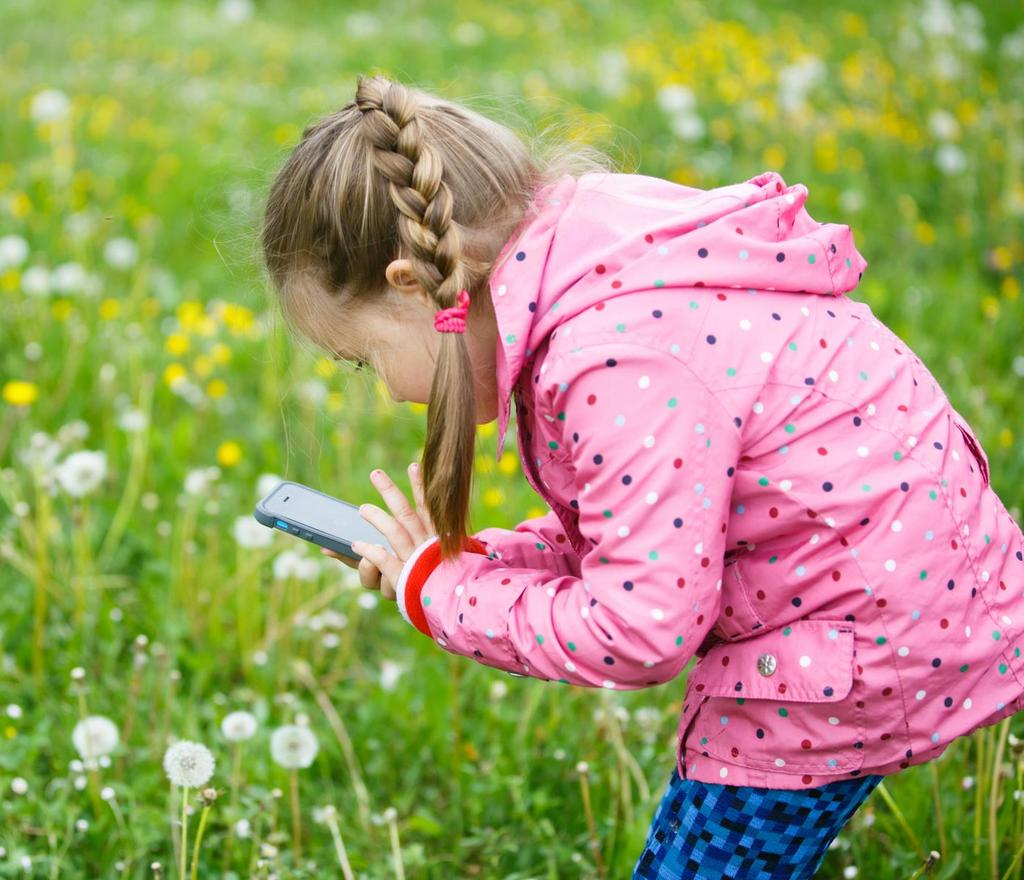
(1005, 438)
(61, 309)
(20, 205)
(509, 463)
(217, 388)
(418, 408)
(189, 312)
(1010, 288)
(221, 353)
(990, 307)
(206, 326)
(535, 511)
(238, 318)
(774, 156)
(109, 309)
(20, 393)
(177, 344)
(229, 453)
(487, 429)
(335, 401)
(494, 497)
(853, 25)
(1002, 259)
(9, 280)
(10, 732)
(324, 367)
(925, 232)
(202, 366)
(174, 372)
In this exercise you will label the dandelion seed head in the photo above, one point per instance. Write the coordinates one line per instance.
(188, 764)
(293, 746)
(239, 726)
(94, 737)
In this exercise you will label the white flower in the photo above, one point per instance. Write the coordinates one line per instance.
(132, 420)
(13, 251)
(938, 18)
(1013, 45)
(266, 484)
(251, 534)
(322, 815)
(19, 785)
(849, 872)
(108, 793)
(293, 746)
(42, 451)
(689, 126)
(94, 736)
(389, 673)
(676, 98)
(35, 281)
(188, 764)
(121, 253)
(68, 278)
(367, 599)
(242, 828)
(950, 159)
(796, 80)
(943, 125)
(82, 472)
(235, 11)
(498, 690)
(49, 105)
(73, 432)
(313, 391)
(197, 481)
(967, 782)
(13, 710)
(291, 563)
(239, 726)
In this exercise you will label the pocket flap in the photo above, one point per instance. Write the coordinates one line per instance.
(809, 661)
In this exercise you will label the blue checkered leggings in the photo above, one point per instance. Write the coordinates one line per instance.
(704, 830)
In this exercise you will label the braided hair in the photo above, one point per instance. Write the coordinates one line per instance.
(400, 173)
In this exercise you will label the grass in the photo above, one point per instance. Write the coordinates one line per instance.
(173, 364)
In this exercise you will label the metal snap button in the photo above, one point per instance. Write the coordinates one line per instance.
(767, 664)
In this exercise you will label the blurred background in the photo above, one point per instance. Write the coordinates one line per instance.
(150, 395)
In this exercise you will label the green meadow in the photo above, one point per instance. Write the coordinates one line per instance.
(149, 392)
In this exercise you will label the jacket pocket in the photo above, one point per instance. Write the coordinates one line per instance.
(975, 447)
(782, 700)
(738, 619)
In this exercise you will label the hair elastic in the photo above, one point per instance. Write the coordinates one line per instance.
(453, 319)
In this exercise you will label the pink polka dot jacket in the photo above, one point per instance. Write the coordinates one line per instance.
(743, 466)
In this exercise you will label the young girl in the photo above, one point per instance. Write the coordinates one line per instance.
(741, 462)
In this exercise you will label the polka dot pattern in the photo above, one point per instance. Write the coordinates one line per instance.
(740, 458)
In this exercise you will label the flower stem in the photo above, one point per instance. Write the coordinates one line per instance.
(296, 823)
(339, 847)
(888, 798)
(184, 830)
(199, 840)
(595, 844)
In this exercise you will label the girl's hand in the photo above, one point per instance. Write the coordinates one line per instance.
(380, 569)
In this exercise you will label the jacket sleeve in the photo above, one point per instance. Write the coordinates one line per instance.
(654, 454)
(538, 543)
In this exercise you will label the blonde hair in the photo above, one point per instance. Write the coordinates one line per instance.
(398, 172)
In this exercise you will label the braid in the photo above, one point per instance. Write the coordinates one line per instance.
(432, 241)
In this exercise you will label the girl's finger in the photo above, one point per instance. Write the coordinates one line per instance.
(369, 574)
(341, 557)
(389, 527)
(387, 563)
(400, 507)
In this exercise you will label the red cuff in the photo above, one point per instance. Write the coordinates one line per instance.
(421, 570)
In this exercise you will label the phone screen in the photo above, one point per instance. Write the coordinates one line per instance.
(305, 507)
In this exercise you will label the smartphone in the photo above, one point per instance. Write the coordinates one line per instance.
(318, 518)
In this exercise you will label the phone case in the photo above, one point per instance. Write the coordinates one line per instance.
(307, 533)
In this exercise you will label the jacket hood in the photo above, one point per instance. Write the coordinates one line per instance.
(756, 234)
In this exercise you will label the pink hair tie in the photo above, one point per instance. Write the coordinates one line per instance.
(453, 320)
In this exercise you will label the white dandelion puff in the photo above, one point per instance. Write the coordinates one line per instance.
(121, 253)
(82, 472)
(239, 726)
(13, 251)
(251, 534)
(94, 736)
(188, 764)
(35, 281)
(49, 105)
(293, 746)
